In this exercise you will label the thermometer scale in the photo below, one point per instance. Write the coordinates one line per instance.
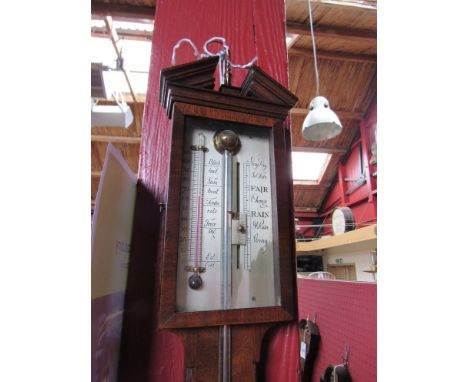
(196, 200)
(246, 205)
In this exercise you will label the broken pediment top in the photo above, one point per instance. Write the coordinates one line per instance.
(200, 74)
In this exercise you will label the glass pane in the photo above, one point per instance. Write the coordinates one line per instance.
(246, 274)
(308, 166)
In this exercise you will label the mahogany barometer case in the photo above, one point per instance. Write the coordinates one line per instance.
(228, 265)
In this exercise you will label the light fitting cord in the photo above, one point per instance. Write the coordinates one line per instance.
(313, 47)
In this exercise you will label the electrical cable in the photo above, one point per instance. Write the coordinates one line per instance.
(313, 47)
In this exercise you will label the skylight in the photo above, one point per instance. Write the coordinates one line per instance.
(308, 166)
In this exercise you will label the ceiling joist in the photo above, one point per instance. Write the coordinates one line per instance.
(122, 11)
(330, 150)
(341, 113)
(333, 55)
(97, 174)
(114, 139)
(348, 34)
(360, 4)
(305, 209)
(127, 34)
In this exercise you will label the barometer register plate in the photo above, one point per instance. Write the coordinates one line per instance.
(254, 261)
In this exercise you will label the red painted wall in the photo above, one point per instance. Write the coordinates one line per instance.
(333, 196)
(363, 200)
(370, 125)
(346, 314)
(251, 28)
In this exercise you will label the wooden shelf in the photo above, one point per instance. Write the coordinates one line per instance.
(352, 237)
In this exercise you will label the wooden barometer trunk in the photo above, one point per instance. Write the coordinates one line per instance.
(228, 268)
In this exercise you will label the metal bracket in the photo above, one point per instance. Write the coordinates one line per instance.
(199, 148)
(359, 182)
(239, 228)
(189, 268)
(360, 179)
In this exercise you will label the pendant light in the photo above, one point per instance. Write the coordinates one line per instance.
(321, 122)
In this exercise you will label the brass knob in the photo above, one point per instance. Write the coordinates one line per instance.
(227, 140)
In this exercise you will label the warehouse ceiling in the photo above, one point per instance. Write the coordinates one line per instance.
(346, 41)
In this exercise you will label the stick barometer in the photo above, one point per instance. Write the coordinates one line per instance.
(228, 271)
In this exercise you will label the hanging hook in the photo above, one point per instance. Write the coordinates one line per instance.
(306, 326)
(224, 60)
(346, 355)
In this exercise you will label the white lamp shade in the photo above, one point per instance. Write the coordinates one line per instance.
(111, 115)
(321, 122)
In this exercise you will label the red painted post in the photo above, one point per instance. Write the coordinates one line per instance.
(365, 155)
(344, 198)
(251, 28)
(365, 159)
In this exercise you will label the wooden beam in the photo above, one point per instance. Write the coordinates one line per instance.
(339, 33)
(128, 34)
(114, 138)
(305, 209)
(127, 97)
(97, 174)
(115, 38)
(123, 12)
(334, 150)
(352, 237)
(310, 183)
(333, 55)
(356, 115)
(362, 4)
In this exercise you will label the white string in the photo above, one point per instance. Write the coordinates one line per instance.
(176, 46)
(313, 47)
(221, 40)
(223, 53)
(245, 65)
